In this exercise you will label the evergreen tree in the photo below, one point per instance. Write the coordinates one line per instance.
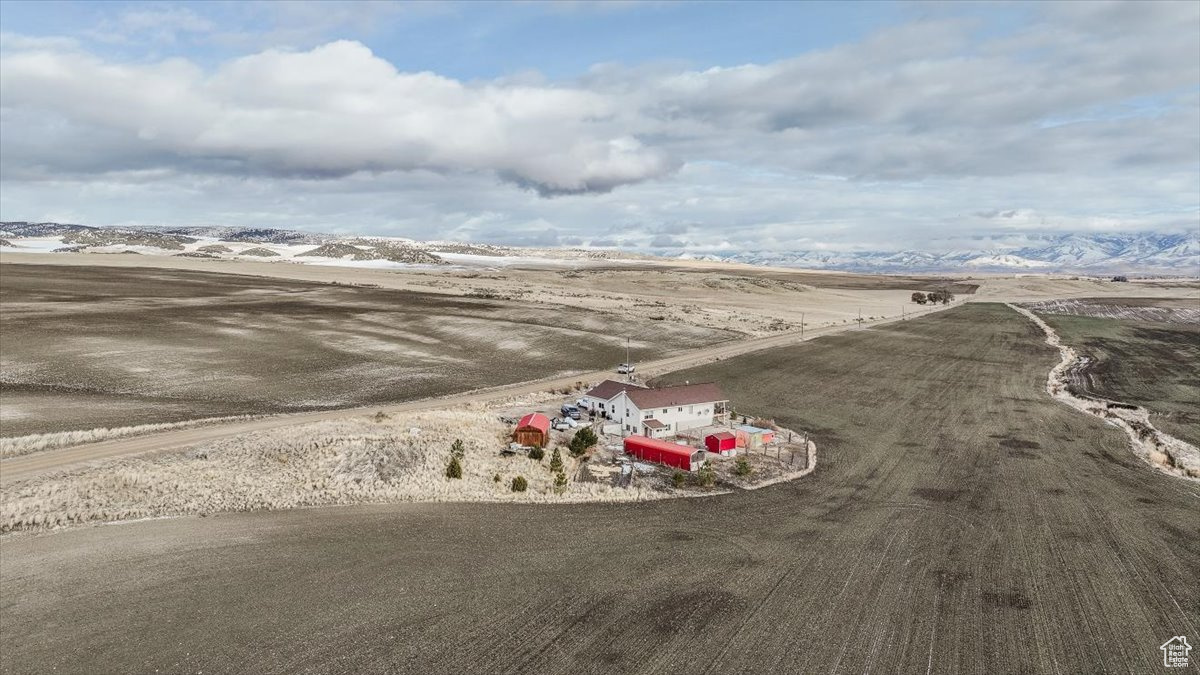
(742, 466)
(454, 468)
(583, 439)
(556, 463)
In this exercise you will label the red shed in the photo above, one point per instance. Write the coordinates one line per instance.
(533, 429)
(671, 454)
(722, 443)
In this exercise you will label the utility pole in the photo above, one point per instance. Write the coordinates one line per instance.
(801, 325)
(628, 376)
(860, 318)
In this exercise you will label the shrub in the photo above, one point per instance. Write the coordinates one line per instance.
(742, 466)
(519, 484)
(919, 298)
(560, 482)
(457, 448)
(556, 463)
(708, 475)
(454, 468)
(583, 439)
(678, 478)
(496, 478)
(536, 453)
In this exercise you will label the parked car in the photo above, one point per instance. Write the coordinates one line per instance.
(625, 368)
(569, 410)
(561, 424)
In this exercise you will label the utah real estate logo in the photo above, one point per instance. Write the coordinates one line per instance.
(1175, 652)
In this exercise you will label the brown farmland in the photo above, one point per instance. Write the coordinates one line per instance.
(959, 521)
(1139, 351)
(112, 346)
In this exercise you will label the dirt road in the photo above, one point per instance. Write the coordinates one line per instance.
(21, 467)
(960, 521)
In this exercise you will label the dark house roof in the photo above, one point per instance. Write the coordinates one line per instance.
(654, 424)
(610, 388)
(687, 394)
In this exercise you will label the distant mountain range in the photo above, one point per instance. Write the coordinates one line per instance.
(1096, 254)
(1177, 254)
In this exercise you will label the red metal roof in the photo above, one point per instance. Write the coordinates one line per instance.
(648, 443)
(687, 394)
(723, 435)
(537, 421)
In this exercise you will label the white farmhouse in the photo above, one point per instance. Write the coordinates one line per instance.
(598, 399)
(657, 413)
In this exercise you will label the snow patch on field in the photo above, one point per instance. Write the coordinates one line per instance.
(1116, 310)
(33, 244)
(362, 264)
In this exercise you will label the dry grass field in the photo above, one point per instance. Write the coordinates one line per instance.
(356, 460)
(959, 521)
(739, 298)
(1139, 351)
(89, 346)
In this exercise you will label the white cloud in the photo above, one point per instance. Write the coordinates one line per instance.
(332, 111)
(1085, 119)
(163, 24)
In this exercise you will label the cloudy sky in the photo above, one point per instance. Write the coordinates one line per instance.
(643, 125)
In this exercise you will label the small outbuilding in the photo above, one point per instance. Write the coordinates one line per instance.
(533, 429)
(663, 452)
(753, 438)
(722, 443)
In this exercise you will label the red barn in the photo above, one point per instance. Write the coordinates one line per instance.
(723, 443)
(671, 454)
(533, 429)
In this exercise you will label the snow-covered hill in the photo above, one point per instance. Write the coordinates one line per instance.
(1099, 254)
(1093, 254)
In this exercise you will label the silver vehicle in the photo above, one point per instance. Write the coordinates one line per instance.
(625, 368)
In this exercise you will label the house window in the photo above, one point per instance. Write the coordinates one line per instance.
(681, 410)
(646, 415)
(602, 406)
(664, 411)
